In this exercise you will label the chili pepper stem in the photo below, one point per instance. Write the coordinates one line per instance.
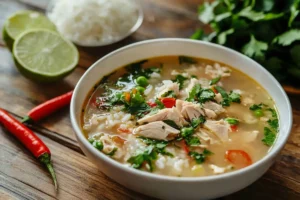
(26, 119)
(46, 160)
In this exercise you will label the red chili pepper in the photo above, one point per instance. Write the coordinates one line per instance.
(151, 104)
(238, 157)
(185, 147)
(29, 140)
(215, 91)
(48, 107)
(234, 128)
(168, 102)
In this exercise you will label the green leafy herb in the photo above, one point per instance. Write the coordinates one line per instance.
(194, 92)
(159, 145)
(261, 29)
(200, 157)
(235, 97)
(226, 100)
(215, 80)
(206, 95)
(269, 137)
(170, 93)
(171, 123)
(273, 123)
(159, 104)
(232, 121)
(148, 156)
(186, 131)
(192, 141)
(256, 106)
(197, 121)
(186, 59)
(180, 80)
(273, 111)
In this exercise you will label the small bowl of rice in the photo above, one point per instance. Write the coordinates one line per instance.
(95, 22)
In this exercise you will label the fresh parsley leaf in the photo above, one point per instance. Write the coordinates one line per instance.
(206, 12)
(252, 15)
(269, 137)
(215, 80)
(180, 80)
(198, 35)
(222, 92)
(159, 145)
(288, 37)
(255, 49)
(294, 12)
(273, 123)
(222, 37)
(197, 121)
(206, 95)
(200, 157)
(235, 97)
(273, 111)
(148, 156)
(171, 123)
(186, 131)
(186, 59)
(192, 141)
(194, 92)
(256, 107)
(232, 121)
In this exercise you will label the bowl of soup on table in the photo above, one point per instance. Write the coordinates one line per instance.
(177, 118)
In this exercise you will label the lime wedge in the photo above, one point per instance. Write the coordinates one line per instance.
(44, 56)
(23, 21)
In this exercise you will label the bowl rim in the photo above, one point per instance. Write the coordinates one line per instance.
(270, 155)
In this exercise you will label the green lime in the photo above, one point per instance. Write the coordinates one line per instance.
(23, 21)
(44, 56)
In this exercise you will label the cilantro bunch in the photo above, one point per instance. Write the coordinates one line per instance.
(266, 30)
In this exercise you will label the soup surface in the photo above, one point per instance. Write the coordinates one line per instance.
(180, 116)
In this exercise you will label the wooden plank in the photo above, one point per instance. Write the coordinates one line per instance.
(21, 176)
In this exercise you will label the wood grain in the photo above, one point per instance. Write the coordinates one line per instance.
(22, 177)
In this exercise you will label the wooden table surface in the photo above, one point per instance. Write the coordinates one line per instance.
(22, 177)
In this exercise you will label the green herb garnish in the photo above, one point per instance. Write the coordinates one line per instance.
(186, 59)
(200, 157)
(215, 80)
(180, 80)
(170, 93)
(192, 141)
(232, 121)
(197, 121)
(269, 137)
(171, 123)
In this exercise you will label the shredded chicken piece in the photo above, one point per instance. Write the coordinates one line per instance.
(220, 170)
(156, 130)
(165, 114)
(220, 128)
(189, 110)
(217, 108)
(168, 85)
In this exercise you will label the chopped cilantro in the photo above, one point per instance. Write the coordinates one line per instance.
(180, 80)
(222, 92)
(171, 123)
(256, 107)
(170, 93)
(159, 104)
(197, 121)
(206, 95)
(215, 80)
(232, 121)
(235, 97)
(200, 157)
(148, 156)
(194, 76)
(192, 141)
(288, 37)
(186, 59)
(186, 131)
(273, 123)
(269, 137)
(273, 111)
(194, 92)
(159, 145)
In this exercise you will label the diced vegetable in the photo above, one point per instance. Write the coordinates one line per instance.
(238, 158)
(140, 89)
(258, 113)
(233, 128)
(142, 81)
(197, 121)
(168, 102)
(232, 121)
(192, 141)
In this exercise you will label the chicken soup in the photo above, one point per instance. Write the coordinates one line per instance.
(180, 116)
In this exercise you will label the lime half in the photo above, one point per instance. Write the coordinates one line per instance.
(23, 21)
(44, 56)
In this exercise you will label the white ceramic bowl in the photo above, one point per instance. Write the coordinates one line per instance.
(166, 187)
